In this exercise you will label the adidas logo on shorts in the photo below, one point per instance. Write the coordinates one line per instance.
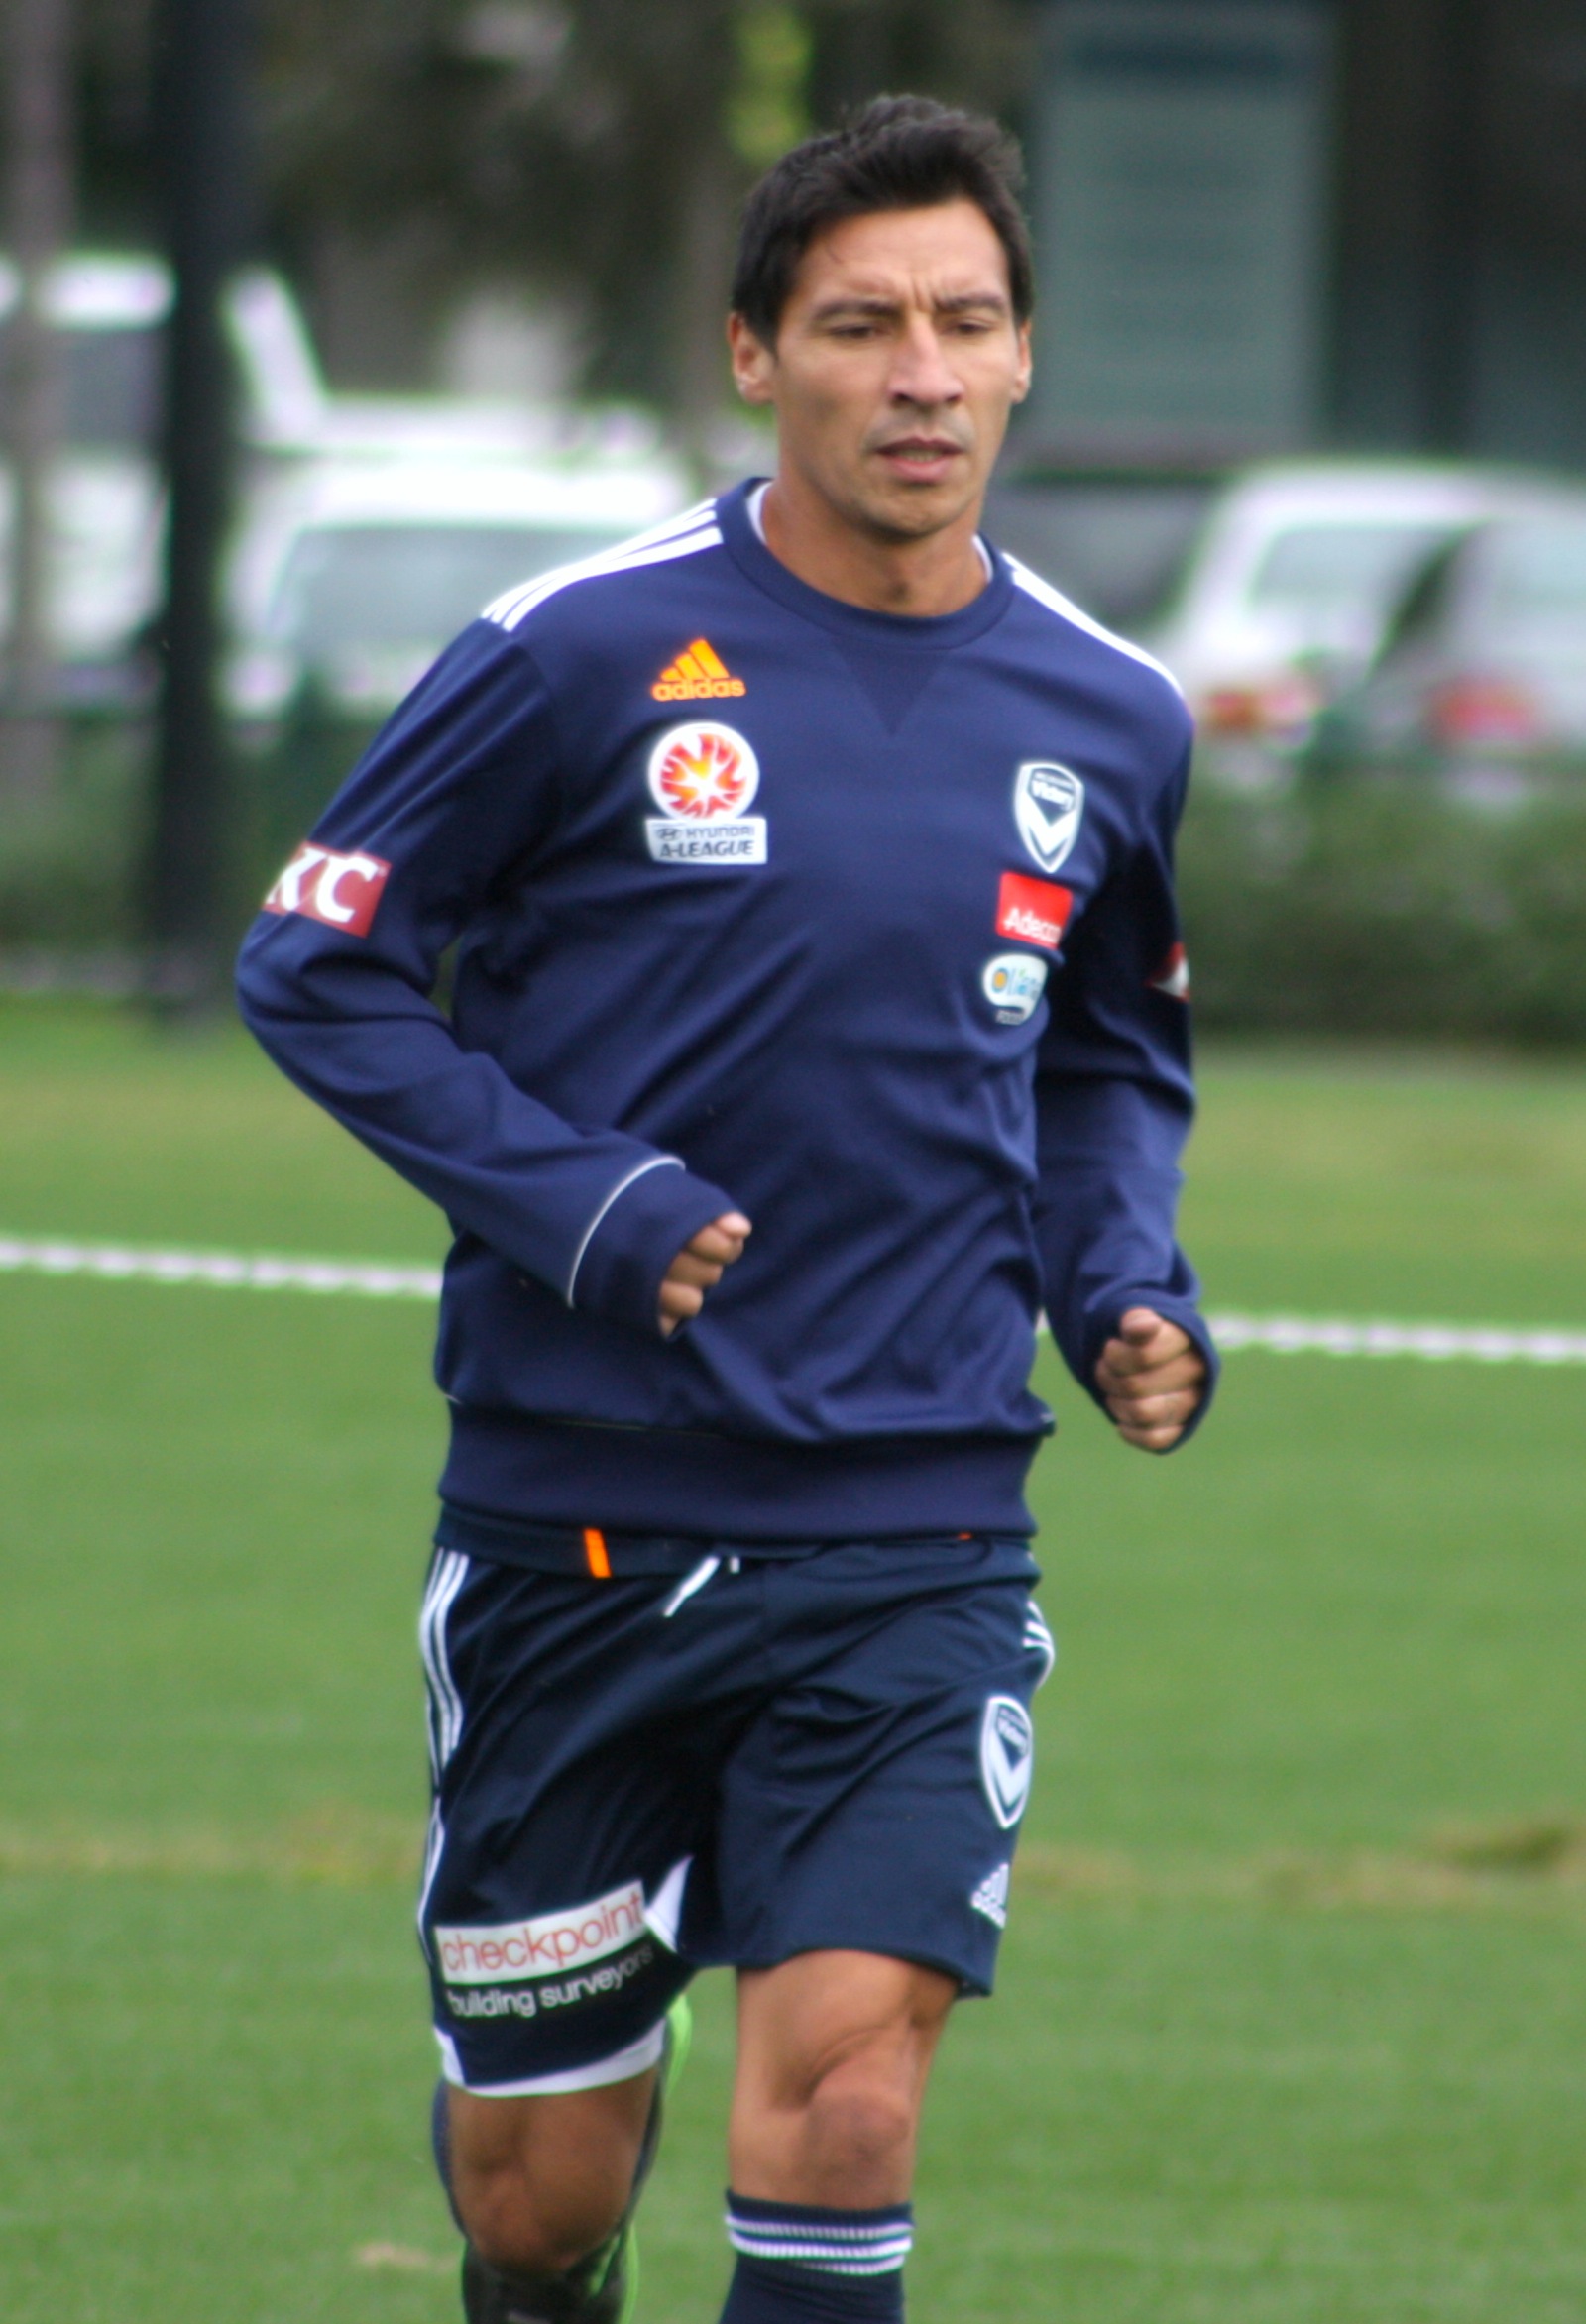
(991, 1897)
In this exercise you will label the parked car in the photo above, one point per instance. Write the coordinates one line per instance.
(1482, 675)
(357, 574)
(1114, 545)
(105, 499)
(1297, 569)
(352, 578)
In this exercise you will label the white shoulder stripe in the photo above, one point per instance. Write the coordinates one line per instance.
(651, 548)
(1055, 602)
(671, 528)
(511, 609)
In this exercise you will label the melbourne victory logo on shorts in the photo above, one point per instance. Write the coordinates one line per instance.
(1048, 802)
(1008, 1757)
(701, 777)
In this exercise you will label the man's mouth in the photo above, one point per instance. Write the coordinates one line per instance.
(922, 456)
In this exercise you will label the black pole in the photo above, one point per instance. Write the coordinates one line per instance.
(200, 110)
(1462, 79)
(38, 44)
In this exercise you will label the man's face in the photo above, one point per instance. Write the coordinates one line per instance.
(895, 367)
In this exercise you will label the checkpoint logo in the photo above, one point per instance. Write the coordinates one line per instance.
(1008, 1757)
(342, 891)
(1047, 804)
(703, 777)
(1013, 983)
(512, 1951)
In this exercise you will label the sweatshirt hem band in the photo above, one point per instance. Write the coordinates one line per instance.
(511, 1468)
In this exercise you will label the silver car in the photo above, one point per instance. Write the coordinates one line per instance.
(1482, 675)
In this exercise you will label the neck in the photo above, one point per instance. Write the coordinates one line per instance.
(936, 573)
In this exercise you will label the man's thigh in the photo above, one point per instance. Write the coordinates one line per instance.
(571, 1790)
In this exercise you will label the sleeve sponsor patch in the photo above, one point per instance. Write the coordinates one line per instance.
(1034, 910)
(342, 891)
(1173, 975)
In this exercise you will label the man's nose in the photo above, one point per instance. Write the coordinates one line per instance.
(921, 373)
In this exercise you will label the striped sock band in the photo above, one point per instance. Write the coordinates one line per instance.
(801, 2264)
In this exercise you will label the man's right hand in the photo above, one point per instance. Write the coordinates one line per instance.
(699, 1267)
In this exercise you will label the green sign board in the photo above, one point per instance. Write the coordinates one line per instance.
(1181, 219)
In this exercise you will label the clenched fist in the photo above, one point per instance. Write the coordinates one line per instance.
(700, 1265)
(1151, 1377)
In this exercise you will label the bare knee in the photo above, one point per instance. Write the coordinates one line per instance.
(541, 2182)
(860, 2117)
(510, 2222)
(835, 2050)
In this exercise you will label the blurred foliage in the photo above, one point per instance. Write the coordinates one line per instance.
(1383, 906)
(594, 149)
(767, 109)
(69, 858)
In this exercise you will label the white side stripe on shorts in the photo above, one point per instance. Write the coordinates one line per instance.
(1040, 1640)
(434, 1842)
(446, 1706)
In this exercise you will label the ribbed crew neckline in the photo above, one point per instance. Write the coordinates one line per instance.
(918, 633)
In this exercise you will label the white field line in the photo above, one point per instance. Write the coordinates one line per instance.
(227, 1271)
(1434, 1343)
(1280, 1335)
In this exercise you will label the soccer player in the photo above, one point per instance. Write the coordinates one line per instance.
(817, 1019)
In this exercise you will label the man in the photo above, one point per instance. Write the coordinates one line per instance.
(818, 1017)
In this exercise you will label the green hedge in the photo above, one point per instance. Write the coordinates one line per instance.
(1380, 905)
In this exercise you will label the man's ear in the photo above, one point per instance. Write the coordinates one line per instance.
(1021, 383)
(753, 363)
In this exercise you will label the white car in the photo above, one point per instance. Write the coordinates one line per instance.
(1296, 572)
(354, 575)
(105, 499)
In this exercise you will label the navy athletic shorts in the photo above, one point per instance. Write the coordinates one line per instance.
(644, 1774)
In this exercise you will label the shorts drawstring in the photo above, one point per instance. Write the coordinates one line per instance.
(693, 1579)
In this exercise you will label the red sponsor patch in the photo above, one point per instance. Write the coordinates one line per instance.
(1036, 912)
(1173, 977)
(340, 890)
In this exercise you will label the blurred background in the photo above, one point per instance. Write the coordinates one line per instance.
(318, 326)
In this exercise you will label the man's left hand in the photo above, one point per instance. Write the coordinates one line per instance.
(1152, 1378)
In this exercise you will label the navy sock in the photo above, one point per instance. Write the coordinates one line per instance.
(798, 2263)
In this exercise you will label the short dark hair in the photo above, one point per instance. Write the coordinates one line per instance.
(898, 154)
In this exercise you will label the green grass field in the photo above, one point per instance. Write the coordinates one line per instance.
(1292, 2027)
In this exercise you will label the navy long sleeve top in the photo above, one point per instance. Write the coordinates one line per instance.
(858, 923)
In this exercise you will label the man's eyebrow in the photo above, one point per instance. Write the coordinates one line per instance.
(855, 303)
(965, 301)
(858, 302)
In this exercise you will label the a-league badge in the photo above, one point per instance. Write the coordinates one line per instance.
(1048, 802)
(1008, 1757)
(703, 777)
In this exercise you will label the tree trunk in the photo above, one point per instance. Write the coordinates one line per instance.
(38, 213)
(202, 113)
(705, 276)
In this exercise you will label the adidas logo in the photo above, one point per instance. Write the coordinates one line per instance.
(991, 1897)
(699, 674)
